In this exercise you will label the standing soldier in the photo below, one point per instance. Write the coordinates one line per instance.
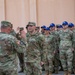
(49, 51)
(9, 46)
(21, 55)
(66, 54)
(33, 51)
(71, 27)
(56, 56)
(58, 29)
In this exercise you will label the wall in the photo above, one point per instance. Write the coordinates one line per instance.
(43, 12)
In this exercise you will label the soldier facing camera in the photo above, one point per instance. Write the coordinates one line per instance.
(21, 55)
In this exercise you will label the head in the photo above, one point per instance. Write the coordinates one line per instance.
(37, 29)
(59, 27)
(5, 27)
(65, 25)
(21, 29)
(31, 26)
(71, 26)
(43, 28)
(52, 26)
(47, 30)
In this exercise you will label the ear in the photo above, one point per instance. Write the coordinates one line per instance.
(35, 27)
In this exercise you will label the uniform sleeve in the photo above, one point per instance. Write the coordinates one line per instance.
(20, 48)
(57, 40)
(41, 46)
(72, 39)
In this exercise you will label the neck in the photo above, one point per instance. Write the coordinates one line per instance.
(47, 34)
(64, 28)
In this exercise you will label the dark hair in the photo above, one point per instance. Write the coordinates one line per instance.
(21, 28)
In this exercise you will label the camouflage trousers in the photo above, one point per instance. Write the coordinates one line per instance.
(66, 57)
(56, 62)
(21, 59)
(49, 63)
(8, 72)
(74, 60)
(33, 68)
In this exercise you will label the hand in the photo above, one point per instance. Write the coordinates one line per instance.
(18, 42)
(56, 51)
(23, 34)
(42, 63)
(72, 49)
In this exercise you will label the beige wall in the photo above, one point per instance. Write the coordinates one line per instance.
(19, 12)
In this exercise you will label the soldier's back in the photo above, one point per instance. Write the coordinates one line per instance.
(7, 52)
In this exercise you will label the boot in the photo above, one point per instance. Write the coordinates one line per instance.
(56, 72)
(50, 73)
(22, 70)
(69, 73)
(47, 73)
(74, 71)
(65, 73)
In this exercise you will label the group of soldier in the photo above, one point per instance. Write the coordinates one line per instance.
(54, 46)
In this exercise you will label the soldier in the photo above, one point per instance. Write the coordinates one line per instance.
(71, 27)
(49, 51)
(33, 51)
(9, 46)
(21, 55)
(65, 48)
(58, 28)
(56, 56)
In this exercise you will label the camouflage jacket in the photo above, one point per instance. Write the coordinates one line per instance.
(56, 38)
(73, 38)
(8, 48)
(49, 45)
(13, 32)
(66, 39)
(34, 48)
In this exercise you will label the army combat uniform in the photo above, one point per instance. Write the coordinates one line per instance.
(33, 54)
(56, 56)
(8, 49)
(9, 46)
(74, 50)
(49, 48)
(65, 48)
(21, 55)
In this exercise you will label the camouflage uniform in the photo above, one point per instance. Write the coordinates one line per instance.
(33, 54)
(21, 55)
(65, 48)
(13, 33)
(74, 49)
(8, 63)
(8, 48)
(56, 56)
(49, 48)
